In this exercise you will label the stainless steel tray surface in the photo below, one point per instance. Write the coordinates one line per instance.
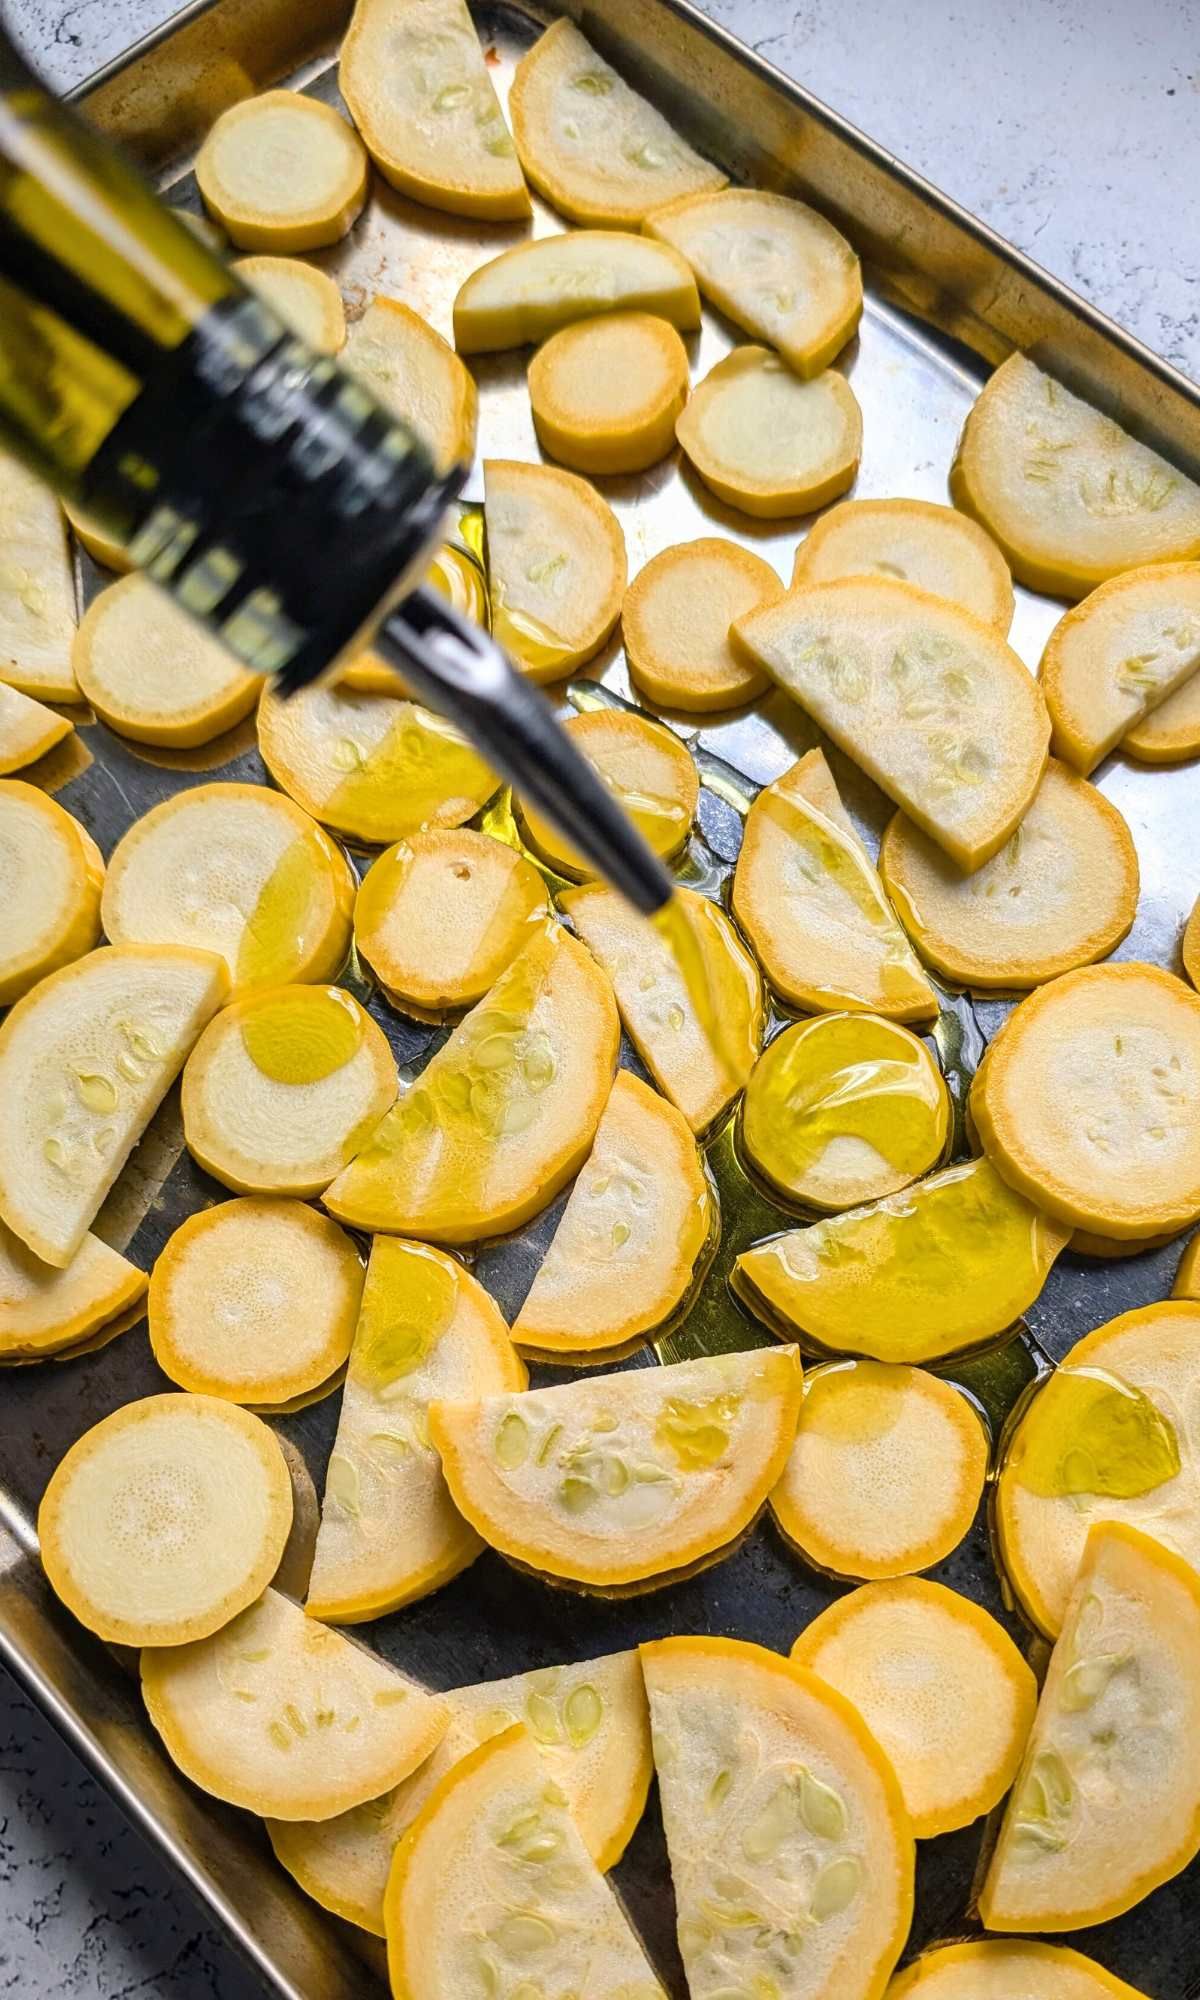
(936, 281)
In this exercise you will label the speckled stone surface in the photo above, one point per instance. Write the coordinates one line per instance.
(1071, 125)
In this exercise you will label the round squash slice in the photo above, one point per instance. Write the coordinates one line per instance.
(50, 876)
(1112, 1435)
(632, 1237)
(675, 623)
(535, 288)
(948, 1265)
(417, 374)
(699, 1057)
(283, 1089)
(282, 172)
(1114, 658)
(86, 1058)
(254, 1300)
(502, 1115)
(440, 915)
(37, 606)
(371, 766)
(764, 441)
(155, 675)
(238, 870)
(590, 143)
(1085, 1102)
(493, 1872)
(592, 1729)
(1071, 498)
(648, 771)
(939, 1684)
(606, 392)
(1061, 893)
(97, 541)
(620, 1482)
(306, 299)
(844, 1109)
(285, 1717)
(1170, 734)
(807, 896)
(166, 1519)
(417, 85)
(790, 1848)
(773, 266)
(1106, 1805)
(848, 1500)
(389, 1533)
(1001, 1968)
(913, 541)
(43, 1310)
(27, 729)
(929, 701)
(556, 565)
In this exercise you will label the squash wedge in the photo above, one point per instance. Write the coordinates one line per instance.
(389, 1533)
(27, 729)
(97, 541)
(1112, 1748)
(37, 588)
(50, 877)
(305, 298)
(282, 172)
(912, 541)
(648, 771)
(999, 1968)
(556, 566)
(605, 392)
(675, 623)
(768, 443)
(154, 674)
(790, 1847)
(1114, 658)
(619, 1482)
(165, 1520)
(417, 375)
(531, 291)
(439, 917)
(44, 1310)
(503, 1114)
(1170, 734)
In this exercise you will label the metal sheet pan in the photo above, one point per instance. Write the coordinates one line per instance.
(946, 299)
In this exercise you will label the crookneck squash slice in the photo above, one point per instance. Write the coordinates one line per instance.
(766, 442)
(675, 623)
(44, 1310)
(153, 673)
(556, 565)
(27, 729)
(51, 874)
(605, 392)
(999, 1968)
(37, 590)
(442, 914)
(1114, 659)
(282, 171)
(648, 771)
(306, 299)
(537, 287)
(417, 374)
(913, 541)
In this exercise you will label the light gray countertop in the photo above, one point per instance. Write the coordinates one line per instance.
(1071, 126)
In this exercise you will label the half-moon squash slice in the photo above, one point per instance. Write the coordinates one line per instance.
(1112, 660)
(27, 729)
(282, 171)
(534, 289)
(37, 588)
(50, 876)
(43, 1310)
(306, 299)
(556, 566)
(154, 674)
(912, 541)
(1170, 734)
(96, 540)
(417, 374)
(764, 441)
(441, 915)
(999, 1968)
(648, 771)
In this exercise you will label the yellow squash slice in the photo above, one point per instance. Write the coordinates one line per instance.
(1106, 1805)
(306, 299)
(700, 1074)
(37, 588)
(416, 373)
(807, 895)
(939, 1684)
(537, 287)
(592, 1729)
(675, 623)
(1086, 1101)
(764, 441)
(590, 143)
(773, 266)
(1061, 893)
(283, 1089)
(606, 392)
(556, 565)
(85, 1060)
(254, 1300)
(646, 768)
(286, 1717)
(27, 729)
(494, 1872)
(50, 877)
(931, 702)
(417, 85)
(1187, 1277)
(912, 541)
(621, 1481)
(1170, 734)
(791, 1851)
(440, 915)
(1071, 498)
(625, 1254)
(848, 1500)
(154, 674)
(844, 1109)
(389, 1533)
(1001, 1968)
(503, 1114)
(43, 1310)
(945, 1266)
(1190, 946)
(165, 1520)
(1114, 658)
(97, 541)
(238, 870)
(282, 172)
(1112, 1435)
(371, 766)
